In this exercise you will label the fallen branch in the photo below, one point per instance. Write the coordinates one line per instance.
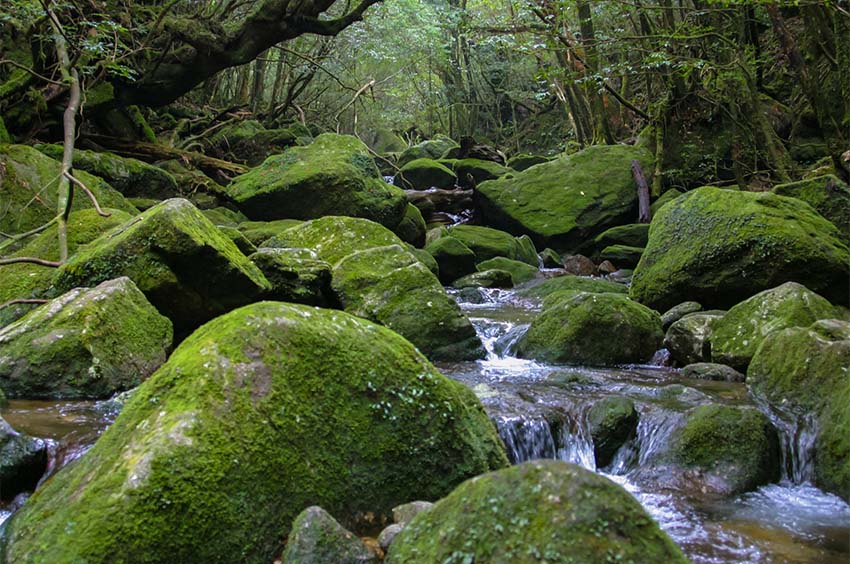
(76, 181)
(23, 301)
(30, 260)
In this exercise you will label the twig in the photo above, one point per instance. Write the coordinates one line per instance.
(23, 301)
(30, 260)
(32, 72)
(84, 188)
(357, 94)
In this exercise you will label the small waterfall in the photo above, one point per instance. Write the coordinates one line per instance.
(653, 433)
(797, 435)
(533, 438)
(575, 443)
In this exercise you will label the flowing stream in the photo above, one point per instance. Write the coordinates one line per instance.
(541, 412)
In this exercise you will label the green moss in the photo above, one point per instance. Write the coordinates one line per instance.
(28, 190)
(541, 511)
(317, 538)
(4, 134)
(667, 196)
(335, 237)
(250, 142)
(632, 235)
(334, 175)
(412, 227)
(472, 172)
(612, 421)
(224, 216)
(802, 372)
(736, 337)
(242, 243)
(688, 338)
(88, 343)
(184, 265)
(717, 247)
(260, 231)
(736, 444)
(575, 328)
(622, 256)
(431, 149)
(522, 162)
(389, 285)
(520, 272)
(487, 278)
(568, 201)
(571, 283)
(828, 195)
(455, 259)
(215, 454)
(550, 258)
(296, 275)
(489, 243)
(422, 174)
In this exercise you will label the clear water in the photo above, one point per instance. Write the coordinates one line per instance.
(540, 411)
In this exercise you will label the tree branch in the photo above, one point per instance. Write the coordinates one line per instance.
(30, 260)
(333, 27)
(23, 301)
(77, 182)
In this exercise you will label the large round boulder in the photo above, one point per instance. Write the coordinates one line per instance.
(720, 246)
(566, 202)
(259, 414)
(572, 283)
(803, 374)
(489, 243)
(87, 343)
(538, 511)
(827, 194)
(334, 175)
(735, 337)
(576, 328)
(422, 174)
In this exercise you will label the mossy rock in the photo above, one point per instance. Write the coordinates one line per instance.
(335, 237)
(23, 280)
(713, 372)
(472, 172)
(184, 265)
(489, 243)
(566, 202)
(194, 184)
(216, 454)
(383, 141)
(540, 511)
(242, 243)
(632, 235)
(524, 161)
(425, 258)
(576, 328)
(87, 343)
(390, 286)
(677, 312)
(317, 538)
(249, 142)
(455, 259)
(28, 190)
(296, 275)
(803, 372)
(550, 259)
(488, 278)
(131, 177)
(23, 461)
(736, 448)
(430, 149)
(520, 271)
(622, 256)
(334, 175)
(662, 200)
(259, 232)
(736, 337)
(422, 174)
(412, 227)
(612, 421)
(225, 216)
(571, 283)
(718, 247)
(828, 195)
(689, 338)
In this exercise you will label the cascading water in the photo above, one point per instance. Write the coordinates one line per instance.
(541, 411)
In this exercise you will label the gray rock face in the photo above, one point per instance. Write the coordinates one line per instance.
(688, 338)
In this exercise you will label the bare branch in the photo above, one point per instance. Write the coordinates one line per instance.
(23, 301)
(30, 260)
(32, 72)
(76, 181)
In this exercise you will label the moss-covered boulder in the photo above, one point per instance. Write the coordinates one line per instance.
(472, 172)
(23, 461)
(632, 235)
(222, 216)
(389, 285)
(87, 343)
(549, 258)
(131, 177)
(185, 266)
(572, 284)
(662, 200)
(28, 190)
(613, 421)
(429, 149)
(520, 271)
(576, 328)
(334, 175)
(245, 246)
(453, 257)
(541, 511)
(677, 312)
(23, 280)
(317, 538)
(490, 278)
(623, 256)
(718, 247)
(688, 339)
(249, 141)
(335, 237)
(828, 195)
(524, 161)
(732, 449)
(296, 275)
(713, 372)
(412, 227)
(258, 232)
(564, 203)
(216, 454)
(489, 243)
(422, 174)
(803, 373)
(738, 334)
